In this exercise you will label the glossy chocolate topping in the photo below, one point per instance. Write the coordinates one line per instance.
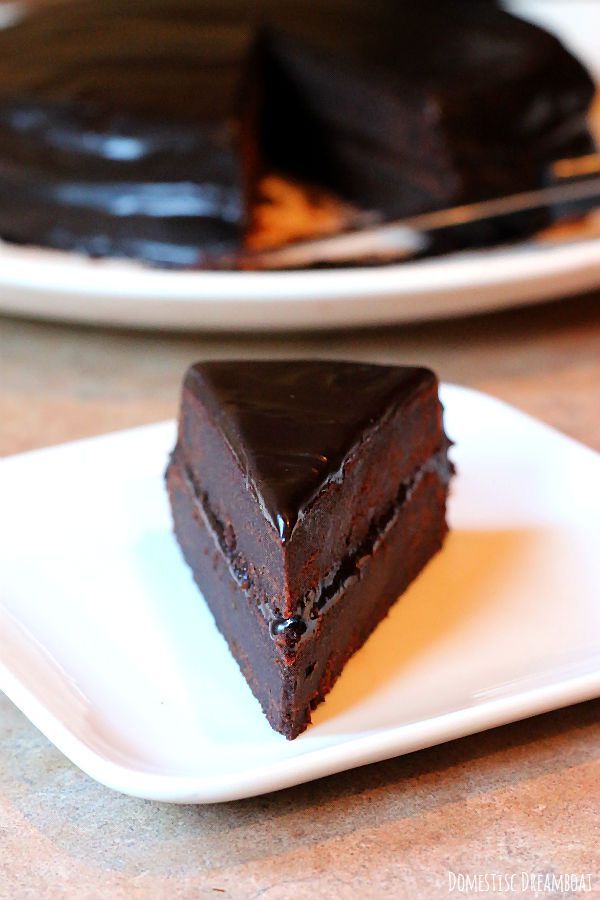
(291, 425)
(116, 131)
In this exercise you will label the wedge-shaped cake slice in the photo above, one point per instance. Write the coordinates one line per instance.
(306, 496)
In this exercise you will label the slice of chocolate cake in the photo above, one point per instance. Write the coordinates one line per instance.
(306, 496)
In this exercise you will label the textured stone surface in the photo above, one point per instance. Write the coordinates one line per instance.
(525, 797)
(520, 798)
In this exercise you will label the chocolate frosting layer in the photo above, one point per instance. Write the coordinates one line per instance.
(292, 424)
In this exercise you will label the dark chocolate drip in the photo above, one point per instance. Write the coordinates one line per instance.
(292, 424)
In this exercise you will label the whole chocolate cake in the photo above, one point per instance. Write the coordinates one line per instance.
(154, 129)
(306, 496)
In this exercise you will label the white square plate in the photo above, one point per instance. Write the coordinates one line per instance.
(106, 645)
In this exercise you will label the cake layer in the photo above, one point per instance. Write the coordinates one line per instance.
(291, 665)
(289, 458)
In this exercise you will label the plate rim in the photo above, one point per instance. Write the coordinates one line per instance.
(109, 293)
(318, 763)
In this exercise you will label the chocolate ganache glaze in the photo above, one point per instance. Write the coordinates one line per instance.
(145, 129)
(290, 424)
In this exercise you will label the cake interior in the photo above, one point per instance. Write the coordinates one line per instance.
(292, 663)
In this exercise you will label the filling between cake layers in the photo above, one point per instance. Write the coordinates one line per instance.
(335, 582)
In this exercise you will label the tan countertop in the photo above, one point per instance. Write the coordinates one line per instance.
(523, 798)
